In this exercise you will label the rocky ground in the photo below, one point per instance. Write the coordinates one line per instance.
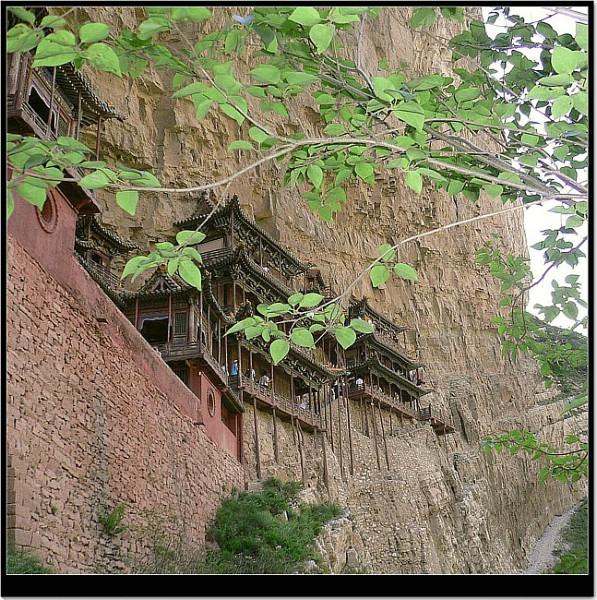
(543, 557)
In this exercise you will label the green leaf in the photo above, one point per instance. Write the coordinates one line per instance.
(53, 22)
(21, 38)
(379, 275)
(194, 13)
(310, 300)
(387, 252)
(10, 204)
(193, 88)
(132, 266)
(321, 35)
(306, 16)
(267, 74)
(189, 237)
(582, 35)
(303, 338)
(241, 145)
(361, 326)
(278, 350)
(55, 51)
(93, 32)
(467, 94)
(32, 193)
(300, 78)
(412, 114)
(580, 102)
(556, 80)
(345, 335)
(564, 60)
(561, 106)
(405, 272)
(102, 57)
(229, 110)
(258, 134)
(295, 299)
(414, 181)
(241, 325)
(493, 190)
(540, 92)
(365, 171)
(422, 17)
(190, 273)
(23, 14)
(95, 180)
(127, 200)
(315, 175)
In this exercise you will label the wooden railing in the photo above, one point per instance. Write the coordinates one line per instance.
(383, 398)
(266, 395)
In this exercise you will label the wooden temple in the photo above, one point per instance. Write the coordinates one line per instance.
(243, 266)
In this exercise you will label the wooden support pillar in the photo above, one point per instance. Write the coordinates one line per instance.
(191, 321)
(52, 95)
(374, 429)
(98, 138)
(137, 313)
(293, 399)
(169, 317)
(341, 461)
(79, 115)
(330, 421)
(349, 424)
(257, 456)
(301, 452)
(383, 434)
(276, 455)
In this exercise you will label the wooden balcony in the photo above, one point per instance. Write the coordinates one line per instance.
(183, 350)
(364, 390)
(268, 400)
(439, 426)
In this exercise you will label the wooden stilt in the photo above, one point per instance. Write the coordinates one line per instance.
(374, 429)
(257, 456)
(383, 434)
(276, 455)
(349, 424)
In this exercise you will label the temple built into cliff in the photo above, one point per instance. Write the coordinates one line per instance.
(243, 266)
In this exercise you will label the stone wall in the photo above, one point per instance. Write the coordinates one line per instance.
(95, 419)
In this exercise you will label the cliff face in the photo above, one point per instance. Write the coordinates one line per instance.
(419, 503)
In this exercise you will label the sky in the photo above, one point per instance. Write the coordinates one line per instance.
(539, 218)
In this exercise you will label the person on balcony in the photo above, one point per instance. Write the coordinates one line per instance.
(250, 374)
(359, 383)
(234, 367)
(264, 379)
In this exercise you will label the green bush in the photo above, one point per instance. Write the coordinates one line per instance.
(268, 531)
(22, 562)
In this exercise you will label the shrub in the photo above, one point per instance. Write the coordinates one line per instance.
(23, 562)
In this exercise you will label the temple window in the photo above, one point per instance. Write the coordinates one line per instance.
(155, 330)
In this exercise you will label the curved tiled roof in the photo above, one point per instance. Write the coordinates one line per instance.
(220, 216)
(97, 226)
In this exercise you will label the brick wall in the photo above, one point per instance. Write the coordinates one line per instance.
(95, 419)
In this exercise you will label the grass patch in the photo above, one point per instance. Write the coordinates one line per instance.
(574, 541)
(22, 562)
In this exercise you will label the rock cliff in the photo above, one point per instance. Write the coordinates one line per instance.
(418, 502)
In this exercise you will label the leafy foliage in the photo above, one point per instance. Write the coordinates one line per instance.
(22, 562)
(268, 531)
(566, 466)
(574, 554)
